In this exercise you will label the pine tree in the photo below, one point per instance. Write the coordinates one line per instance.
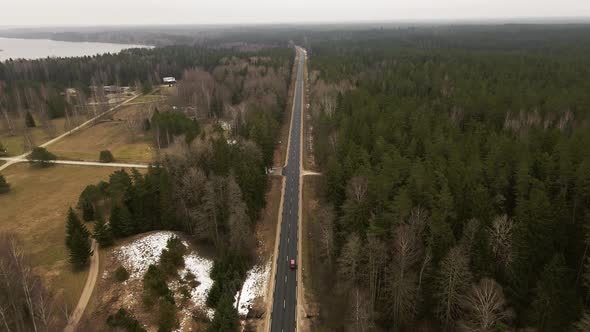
(127, 221)
(80, 248)
(555, 304)
(87, 210)
(115, 221)
(226, 316)
(29, 121)
(4, 186)
(167, 320)
(73, 225)
(102, 233)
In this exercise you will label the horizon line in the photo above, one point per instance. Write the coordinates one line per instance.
(447, 20)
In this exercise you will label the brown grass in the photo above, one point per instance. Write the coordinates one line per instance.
(318, 301)
(35, 209)
(14, 143)
(266, 228)
(113, 134)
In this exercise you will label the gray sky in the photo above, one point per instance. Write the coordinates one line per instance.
(132, 12)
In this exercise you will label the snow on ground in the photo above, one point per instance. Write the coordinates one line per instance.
(254, 286)
(200, 267)
(138, 255)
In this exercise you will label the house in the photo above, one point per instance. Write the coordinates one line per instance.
(112, 89)
(169, 80)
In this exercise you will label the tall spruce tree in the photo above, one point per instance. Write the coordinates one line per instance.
(87, 210)
(121, 221)
(102, 233)
(77, 241)
(80, 249)
(73, 224)
(226, 316)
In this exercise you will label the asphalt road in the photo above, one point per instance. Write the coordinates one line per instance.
(284, 308)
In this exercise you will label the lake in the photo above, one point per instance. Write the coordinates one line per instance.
(41, 48)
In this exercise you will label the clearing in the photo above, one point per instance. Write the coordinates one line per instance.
(136, 254)
(35, 210)
(121, 132)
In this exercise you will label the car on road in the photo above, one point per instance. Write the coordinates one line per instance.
(292, 264)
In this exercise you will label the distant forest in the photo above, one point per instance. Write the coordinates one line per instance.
(456, 193)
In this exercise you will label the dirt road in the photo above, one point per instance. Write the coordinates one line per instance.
(87, 291)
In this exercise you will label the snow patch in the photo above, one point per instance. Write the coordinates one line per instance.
(201, 268)
(138, 255)
(254, 287)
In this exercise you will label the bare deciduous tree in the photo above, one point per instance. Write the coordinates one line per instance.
(451, 283)
(349, 261)
(501, 240)
(240, 234)
(360, 314)
(25, 305)
(357, 188)
(325, 219)
(376, 260)
(403, 283)
(484, 306)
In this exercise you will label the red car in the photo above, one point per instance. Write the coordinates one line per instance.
(292, 264)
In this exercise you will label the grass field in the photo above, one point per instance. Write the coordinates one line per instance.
(14, 144)
(126, 145)
(35, 210)
(149, 98)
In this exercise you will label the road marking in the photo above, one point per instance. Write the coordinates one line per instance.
(285, 278)
(284, 304)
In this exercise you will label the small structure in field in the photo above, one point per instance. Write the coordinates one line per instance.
(169, 80)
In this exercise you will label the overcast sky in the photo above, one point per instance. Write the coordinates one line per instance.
(133, 12)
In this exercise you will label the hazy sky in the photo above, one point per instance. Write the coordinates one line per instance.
(99, 12)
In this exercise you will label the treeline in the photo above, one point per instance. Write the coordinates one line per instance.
(456, 188)
(123, 69)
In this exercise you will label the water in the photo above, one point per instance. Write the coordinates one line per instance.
(41, 48)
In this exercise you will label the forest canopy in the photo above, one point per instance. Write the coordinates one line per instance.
(456, 164)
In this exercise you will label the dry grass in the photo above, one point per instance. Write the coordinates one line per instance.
(14, 144)
(316, 273)
(149, 98)
(126, 145)
(266, 228)
(35, 210)
(168, 90)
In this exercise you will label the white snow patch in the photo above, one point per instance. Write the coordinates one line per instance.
(138, 255)
(254, 286)
(200, 267)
